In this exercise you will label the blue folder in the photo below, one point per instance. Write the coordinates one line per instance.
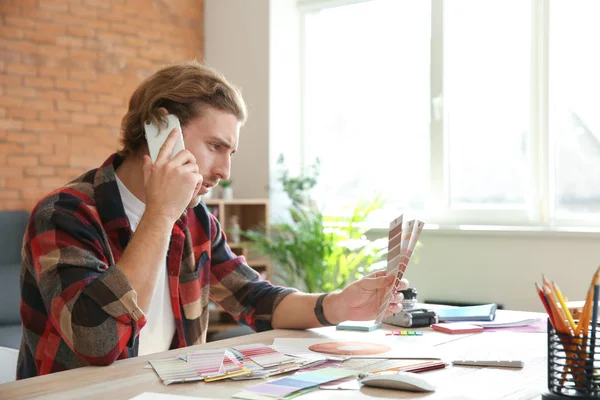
(484, 312)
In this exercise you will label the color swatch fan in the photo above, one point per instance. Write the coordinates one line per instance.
(402, 239)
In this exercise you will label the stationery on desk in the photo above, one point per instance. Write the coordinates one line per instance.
(299, 384)
(488, 316)
(564, 324)
(483, 312)
(254, 361)
(475, 320)
(457, 327)
(251, 361)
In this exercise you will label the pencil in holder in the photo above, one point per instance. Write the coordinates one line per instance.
(571, 370)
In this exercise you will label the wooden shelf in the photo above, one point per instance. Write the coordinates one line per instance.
(251, 214)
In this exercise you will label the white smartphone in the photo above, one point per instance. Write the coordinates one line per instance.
(156, 137)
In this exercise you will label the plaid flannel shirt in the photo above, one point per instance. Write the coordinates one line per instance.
(78, 308)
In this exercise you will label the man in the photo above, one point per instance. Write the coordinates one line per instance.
(122, 261)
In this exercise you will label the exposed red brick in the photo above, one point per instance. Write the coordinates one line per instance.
(67, 69)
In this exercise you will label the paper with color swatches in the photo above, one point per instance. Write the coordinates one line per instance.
(175, 370)
(294, 385)
(402, 240)
(263, 355)
(252, 361)
(207, 362)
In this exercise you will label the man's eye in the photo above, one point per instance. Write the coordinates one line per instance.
(216, 146)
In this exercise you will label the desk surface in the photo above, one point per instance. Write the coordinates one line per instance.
(127, 378)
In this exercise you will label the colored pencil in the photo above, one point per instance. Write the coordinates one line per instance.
(564, 307)
(585, 316)
(586, 313)
(545, 303)
(559, 318)
(590, 360)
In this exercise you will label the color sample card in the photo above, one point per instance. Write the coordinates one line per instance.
(322, 364)
(207, 362)
(290, 386)
(281, 387)
(231, 367)
(208, 365)
(175, 370)
(402, 239)
(264, 355)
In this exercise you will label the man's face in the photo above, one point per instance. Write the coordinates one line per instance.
(212, 139)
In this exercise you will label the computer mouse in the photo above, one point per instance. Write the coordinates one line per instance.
(400, 381)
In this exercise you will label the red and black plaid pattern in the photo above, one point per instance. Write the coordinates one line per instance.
(79, 309)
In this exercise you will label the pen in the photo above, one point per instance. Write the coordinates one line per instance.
(421, 367)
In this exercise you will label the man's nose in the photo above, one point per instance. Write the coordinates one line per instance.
(223, 168)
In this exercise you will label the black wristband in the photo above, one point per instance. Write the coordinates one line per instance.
(319, 311)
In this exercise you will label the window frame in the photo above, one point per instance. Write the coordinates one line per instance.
(539, 210)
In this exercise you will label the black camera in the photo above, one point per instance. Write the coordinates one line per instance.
(413, 318)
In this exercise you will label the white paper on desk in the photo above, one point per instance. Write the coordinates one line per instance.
(509, 320)
(164, 396)
(399, 350)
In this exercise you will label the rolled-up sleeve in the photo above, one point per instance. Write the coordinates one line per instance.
(238, 288)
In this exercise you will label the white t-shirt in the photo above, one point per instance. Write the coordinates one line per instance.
(157, 334)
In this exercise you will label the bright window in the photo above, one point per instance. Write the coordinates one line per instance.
(575, 106)
(467, 112)
(366, 103)
(486, 102)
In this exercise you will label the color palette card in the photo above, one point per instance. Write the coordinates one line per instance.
(253, 367)
(258, 372)
(231, 367)
(263, 355)
(173, 370)
(402, 240)
(294, 385)
(207, 362)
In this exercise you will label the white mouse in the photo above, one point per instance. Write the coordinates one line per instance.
(399, 381)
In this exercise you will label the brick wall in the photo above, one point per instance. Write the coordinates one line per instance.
(67, 69)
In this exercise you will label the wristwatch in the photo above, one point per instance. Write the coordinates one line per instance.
(319, 311)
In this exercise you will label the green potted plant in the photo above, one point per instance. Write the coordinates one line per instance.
(313, 252)
(227, 190)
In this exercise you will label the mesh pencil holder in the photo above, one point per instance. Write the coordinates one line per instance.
(571, 372)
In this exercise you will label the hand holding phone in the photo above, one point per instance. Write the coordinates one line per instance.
(156, 137)
(171, 174)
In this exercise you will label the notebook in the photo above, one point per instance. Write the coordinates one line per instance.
(484, 312)
(457, 327)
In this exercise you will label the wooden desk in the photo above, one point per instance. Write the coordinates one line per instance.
(127, 378)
